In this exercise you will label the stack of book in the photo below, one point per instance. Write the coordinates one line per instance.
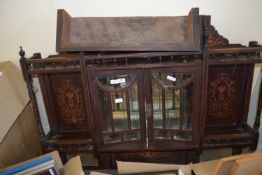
(42, 166)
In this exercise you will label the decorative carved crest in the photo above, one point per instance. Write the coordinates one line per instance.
(215, 40)
(70, 102)
(221, 96)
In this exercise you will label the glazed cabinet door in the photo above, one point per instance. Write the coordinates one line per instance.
(118, 107)
(173, 106)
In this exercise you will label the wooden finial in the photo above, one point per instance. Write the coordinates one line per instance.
(206, 30)
(21, 52)
(254, 44)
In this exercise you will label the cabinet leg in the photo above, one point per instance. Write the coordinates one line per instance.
(236, 150)
(197, 156)
(105, 161)
(63, 157)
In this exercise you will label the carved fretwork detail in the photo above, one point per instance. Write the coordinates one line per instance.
(70, 101)
(215, 40)
(221, 96)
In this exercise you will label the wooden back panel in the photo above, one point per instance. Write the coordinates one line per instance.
(181, 33)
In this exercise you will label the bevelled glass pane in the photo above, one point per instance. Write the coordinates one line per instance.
(177, 99)
(172, 112)
(106, 124)
(135, 121)
(183, 136)
(172, 119)
(172, 99)
(157, 104)
(169, 99)
(156, 96)
(162, 134)
(119, 111)
(134, 107)
(112, 138)
(132, 136)
(158, 119)
(115, 81)
(187, 103)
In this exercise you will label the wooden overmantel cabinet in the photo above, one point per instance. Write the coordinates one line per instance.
(152, 89)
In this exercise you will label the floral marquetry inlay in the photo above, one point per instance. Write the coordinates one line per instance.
(70, 101)
(222, 95)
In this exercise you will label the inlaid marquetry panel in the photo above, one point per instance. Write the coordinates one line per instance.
(69, 103)
(224, 86)
(222, 93)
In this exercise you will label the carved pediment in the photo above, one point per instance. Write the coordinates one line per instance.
(215, 40)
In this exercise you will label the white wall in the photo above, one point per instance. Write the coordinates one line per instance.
(32, 23)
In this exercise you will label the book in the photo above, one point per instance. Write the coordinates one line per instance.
(40, 167)
(26, 166)
(50, 168)
(50, 171)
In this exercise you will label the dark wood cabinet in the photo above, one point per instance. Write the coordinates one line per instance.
(150, 98)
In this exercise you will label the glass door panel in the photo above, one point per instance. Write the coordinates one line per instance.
(162, 134)
(134, 107)
(172, 112)
(182, 135)
(172, 94)
(119, 111)
(132, 136)
(106, 124)
(157, 105)
(187, 104)
(119, 108)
